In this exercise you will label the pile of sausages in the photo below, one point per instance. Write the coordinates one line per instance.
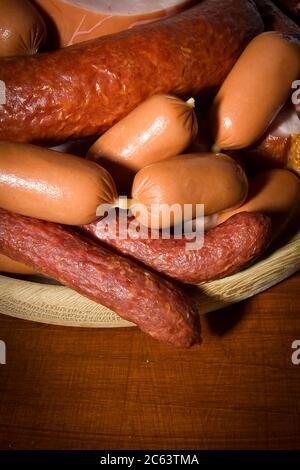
(179, 112)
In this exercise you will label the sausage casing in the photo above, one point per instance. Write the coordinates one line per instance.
(214, 180)
(83, 89)
(38, 182)
(227, 248)
(157, 306)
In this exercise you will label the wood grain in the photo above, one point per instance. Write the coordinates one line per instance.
(72, 388)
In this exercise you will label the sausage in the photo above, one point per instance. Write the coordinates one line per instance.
(7, 265)
(227, 249)
(280, 145)
(54, 186)
(214, 180)
(247, 102)
(22, 29)
(275, 193)
(84, 89)
(157, 306)
(159, 128)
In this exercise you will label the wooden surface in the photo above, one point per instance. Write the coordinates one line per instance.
(70, 388)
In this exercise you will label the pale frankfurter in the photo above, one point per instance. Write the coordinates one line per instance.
(10, 266)
(52, 186)
(255, 90)
(22, 29)
(161, 127)
(214, 180)
(275, 193)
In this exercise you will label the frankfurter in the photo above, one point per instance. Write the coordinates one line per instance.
(247, 102)
(8, 265)
(102, 276)
(227, 249)
(275, 193)
(84, 89)
(214, 180)
(50, 185)
(159, 128)
(22, 29)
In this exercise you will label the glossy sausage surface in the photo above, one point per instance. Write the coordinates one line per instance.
(159, 128)
(84, 89)
(22, 29)
(214, 180)
(275, 193)
(54, 186)
(255, 90)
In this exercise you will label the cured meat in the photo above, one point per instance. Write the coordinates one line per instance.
(227, 249)
(157, 306)
(82, 90)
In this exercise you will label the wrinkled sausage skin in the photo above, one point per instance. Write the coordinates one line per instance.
(157, 306)
(83, 89)
(227, 249)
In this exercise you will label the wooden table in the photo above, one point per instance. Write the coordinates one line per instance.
(67, 388)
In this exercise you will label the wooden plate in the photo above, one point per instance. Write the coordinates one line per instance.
(40, 301)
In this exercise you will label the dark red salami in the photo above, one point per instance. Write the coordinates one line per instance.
(83, 89)
(157, 306)
(227, 249)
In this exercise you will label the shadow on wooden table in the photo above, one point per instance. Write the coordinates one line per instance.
(222, 321)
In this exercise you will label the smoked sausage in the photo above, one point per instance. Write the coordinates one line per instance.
(84, 89)
(157, 306)
(227, 249)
